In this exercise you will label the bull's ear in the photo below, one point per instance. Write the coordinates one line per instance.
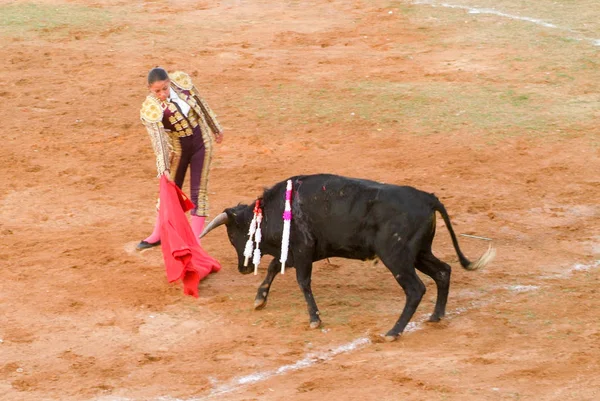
(236, 213)
(230, 212)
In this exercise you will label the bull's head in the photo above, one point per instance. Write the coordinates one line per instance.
(237, 220)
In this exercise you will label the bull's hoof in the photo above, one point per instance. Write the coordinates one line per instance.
(315, 325)
(389, 338)
(260, 303)
(434, 318)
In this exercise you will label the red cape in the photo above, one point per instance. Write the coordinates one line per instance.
(184, 258)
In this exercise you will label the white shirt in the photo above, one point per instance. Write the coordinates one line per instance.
(185, 108)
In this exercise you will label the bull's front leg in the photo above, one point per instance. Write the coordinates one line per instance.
(263, 290)
(303, 276)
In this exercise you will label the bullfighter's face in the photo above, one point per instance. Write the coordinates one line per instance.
(237, 232)
(160, 89)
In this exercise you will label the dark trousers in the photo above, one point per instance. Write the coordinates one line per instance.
(193, 154)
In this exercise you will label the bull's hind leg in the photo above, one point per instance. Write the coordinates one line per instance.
(263, 290)
(440, 273)
(402, 267)
(303, 276)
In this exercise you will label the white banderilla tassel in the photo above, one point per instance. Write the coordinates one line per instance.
(257, 239)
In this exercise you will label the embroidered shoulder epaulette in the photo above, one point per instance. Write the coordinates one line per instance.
(151, 110)
(181, 80)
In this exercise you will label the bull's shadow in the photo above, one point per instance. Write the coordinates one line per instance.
(334, 216)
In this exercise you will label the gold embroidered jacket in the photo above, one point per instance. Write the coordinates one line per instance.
(166, 124)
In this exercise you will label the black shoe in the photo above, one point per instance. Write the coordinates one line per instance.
(146, 245)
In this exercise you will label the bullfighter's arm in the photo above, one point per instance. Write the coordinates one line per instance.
(151, 116)
(209, 115)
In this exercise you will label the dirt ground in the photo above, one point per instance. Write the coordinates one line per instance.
(496, 115)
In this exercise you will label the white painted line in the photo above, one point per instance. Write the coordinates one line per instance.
(491, 11)
(309, 360)
(237, 383)
(522, 288)
(473, 10)
(573, 269)
(579, 267)
(303, 363)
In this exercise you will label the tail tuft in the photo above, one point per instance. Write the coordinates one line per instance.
(486, 258)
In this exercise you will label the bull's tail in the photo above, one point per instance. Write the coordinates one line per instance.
(486, 258)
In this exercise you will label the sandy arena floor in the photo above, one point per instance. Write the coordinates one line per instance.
(497, 115)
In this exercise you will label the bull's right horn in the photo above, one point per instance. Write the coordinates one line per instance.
(218, 221)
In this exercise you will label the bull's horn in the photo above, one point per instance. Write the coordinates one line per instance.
(218, 221)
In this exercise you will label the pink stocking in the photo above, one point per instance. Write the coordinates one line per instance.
(198, 225)
(155, 236)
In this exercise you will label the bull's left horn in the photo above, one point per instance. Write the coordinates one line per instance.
(218, 221)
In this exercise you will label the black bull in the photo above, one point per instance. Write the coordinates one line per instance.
(351, 218)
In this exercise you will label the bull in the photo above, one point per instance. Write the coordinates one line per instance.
(335, 216)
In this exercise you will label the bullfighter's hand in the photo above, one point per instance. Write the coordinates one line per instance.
(219, 137)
